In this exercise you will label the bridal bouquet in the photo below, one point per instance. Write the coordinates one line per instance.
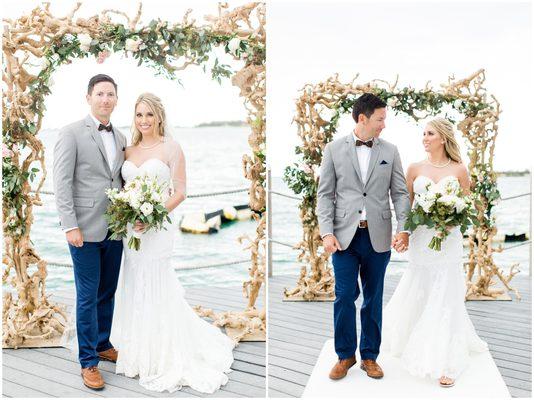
(442, 207)
(142, 199)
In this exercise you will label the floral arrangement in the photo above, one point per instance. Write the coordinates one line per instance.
(441, 207)
(143, 200)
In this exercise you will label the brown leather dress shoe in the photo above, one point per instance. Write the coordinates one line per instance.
(372, 368)
(342, 367)
(109, 355)
(92, 378)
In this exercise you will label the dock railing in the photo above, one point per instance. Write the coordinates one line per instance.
(271, 240)
(179, 267)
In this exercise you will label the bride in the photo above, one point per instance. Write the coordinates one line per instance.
(157, 334)
(425, 322)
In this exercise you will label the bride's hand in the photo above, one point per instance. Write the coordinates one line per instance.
(139, 227)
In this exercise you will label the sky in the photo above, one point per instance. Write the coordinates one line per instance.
(199, 100)
(419, 41)
(309, 41)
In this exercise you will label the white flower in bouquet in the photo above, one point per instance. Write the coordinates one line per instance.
(433, 192)
(234, 45)
(112, 193)
(85, 41)
(458, 103)
(448, 200)
(426, 204)
(134, 200)
(460, 205)
(146, 208)
(123, 196)
(156, 197)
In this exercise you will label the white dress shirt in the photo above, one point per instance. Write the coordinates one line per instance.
(110, 146)
(109, 142)
(364, 154)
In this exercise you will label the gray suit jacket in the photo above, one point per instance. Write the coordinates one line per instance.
(81, 176)
(342, 192)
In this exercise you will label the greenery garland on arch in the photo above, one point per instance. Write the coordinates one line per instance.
(318, 110)
(34, 46)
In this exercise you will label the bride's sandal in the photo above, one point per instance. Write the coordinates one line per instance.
(446, 382)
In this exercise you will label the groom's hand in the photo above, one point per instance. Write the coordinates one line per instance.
(400, 242)
(330, 244)
(75, 237)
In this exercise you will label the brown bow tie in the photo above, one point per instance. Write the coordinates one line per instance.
(369, 143)
(103, 127)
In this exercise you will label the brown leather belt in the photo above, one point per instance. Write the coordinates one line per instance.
(362, 224)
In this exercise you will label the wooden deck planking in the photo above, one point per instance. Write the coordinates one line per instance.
(54, 372)
(298, 330)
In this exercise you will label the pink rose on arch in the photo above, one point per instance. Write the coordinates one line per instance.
(5, 151)
(102, 56)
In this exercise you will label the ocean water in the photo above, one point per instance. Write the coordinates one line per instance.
(213, 159)
(512, 216)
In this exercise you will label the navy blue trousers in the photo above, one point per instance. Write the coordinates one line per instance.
(96, 273)
(359, 258)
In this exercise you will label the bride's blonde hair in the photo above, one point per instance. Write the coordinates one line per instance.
(155, 105)
(446, 130)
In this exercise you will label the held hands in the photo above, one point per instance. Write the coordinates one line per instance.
(75, 237)
(330, 244)
(400, 242)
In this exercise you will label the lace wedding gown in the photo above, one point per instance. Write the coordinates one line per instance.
(425, 322)
(158, 335)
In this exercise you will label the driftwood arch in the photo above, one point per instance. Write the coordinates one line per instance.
(318, 110)
(40, 38)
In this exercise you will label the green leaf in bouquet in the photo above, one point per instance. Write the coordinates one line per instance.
(408, 225)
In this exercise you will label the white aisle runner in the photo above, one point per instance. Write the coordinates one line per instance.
(482, 379)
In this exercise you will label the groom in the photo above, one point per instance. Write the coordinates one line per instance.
(87, 160)
(359, 173)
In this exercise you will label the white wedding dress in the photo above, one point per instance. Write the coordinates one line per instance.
(425, 322)
(158, 335)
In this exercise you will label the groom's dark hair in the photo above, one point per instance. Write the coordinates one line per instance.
(97, 79)
(366, 104)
